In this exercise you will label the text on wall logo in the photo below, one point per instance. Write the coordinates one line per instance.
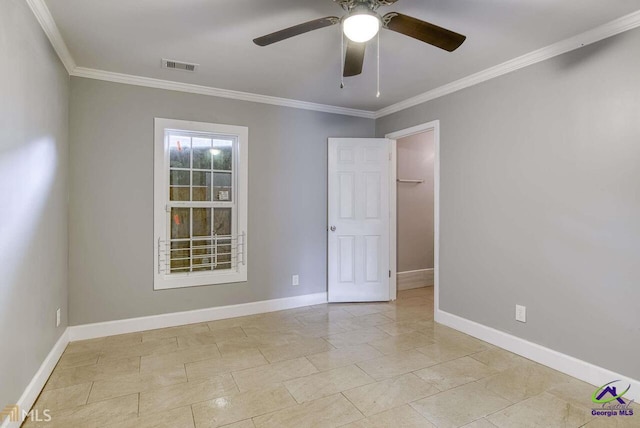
(612, 400)
(12, 412)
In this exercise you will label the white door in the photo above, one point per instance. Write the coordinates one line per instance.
(358, 219)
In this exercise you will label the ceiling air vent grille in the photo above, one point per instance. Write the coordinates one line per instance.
(177, 65)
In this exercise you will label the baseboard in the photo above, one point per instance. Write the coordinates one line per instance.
(415, 279)
(572, 366)
(131, 325)
(91, 331)
(36, 385)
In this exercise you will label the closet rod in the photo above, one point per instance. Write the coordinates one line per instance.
(400, 180)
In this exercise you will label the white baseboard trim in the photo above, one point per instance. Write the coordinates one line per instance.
(411, 279)
(131, 325)
(110, 328)
(34, 388)
(572, 366)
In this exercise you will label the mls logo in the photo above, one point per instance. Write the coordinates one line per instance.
(607, 393)
(611, 400)
(12, 413)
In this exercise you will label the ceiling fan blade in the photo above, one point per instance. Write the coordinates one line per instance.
(423, 31)
(296, 30)
(354, 58)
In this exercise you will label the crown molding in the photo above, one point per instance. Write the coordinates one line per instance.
(596, 34)
(43, 15)
(46, 21)
(149, 82)
(617, 26)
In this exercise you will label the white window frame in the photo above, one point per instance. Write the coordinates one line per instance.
(240, 182)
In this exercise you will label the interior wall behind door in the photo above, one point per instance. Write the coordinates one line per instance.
(415, 202)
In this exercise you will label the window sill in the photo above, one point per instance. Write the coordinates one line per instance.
(197, 279)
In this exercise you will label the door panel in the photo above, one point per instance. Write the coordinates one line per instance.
(346, 188)
(347, 259)
(358, 233)
(371, 260)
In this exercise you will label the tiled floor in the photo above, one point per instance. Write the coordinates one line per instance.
(352, 365)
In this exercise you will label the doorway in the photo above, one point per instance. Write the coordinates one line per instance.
(414, 187)
(415, 173)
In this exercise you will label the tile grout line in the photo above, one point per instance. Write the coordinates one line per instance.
(410, 404)
(193, 415)
(353, 404)
(217, 347)
(235, 381)
(89, 394)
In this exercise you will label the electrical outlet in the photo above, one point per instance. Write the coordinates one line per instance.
(295, 280)
(521, 313)
(58, 318)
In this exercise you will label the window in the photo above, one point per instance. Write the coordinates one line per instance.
(200, 206)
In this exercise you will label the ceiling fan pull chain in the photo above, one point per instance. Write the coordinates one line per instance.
(341, 58)
(378, 89)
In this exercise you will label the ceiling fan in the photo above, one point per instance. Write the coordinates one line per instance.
(362, 23)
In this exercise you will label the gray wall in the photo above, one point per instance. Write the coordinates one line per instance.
(540, 201)
(111, 203)
(415, 202)
(34, 89)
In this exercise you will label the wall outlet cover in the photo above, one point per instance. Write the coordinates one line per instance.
(295, 280)
(58, 317)
(521, 313)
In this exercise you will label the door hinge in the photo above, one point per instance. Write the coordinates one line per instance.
(389, 274)
(389, 155)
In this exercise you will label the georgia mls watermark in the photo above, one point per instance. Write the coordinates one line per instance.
(612, 403)
(13, 413)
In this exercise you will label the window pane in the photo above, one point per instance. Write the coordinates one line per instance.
(202, 255)
(180, 256)
(179, 181)
(179, 178)
(222, 221)
(222, 157)
(180, 151)
(222, 186)
(223, 256)
(201, 221)
(222, 227)
(180, 223)
(201, 186)
(179, 193)
(202, 153)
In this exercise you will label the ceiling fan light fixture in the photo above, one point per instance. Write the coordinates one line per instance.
(361, 26)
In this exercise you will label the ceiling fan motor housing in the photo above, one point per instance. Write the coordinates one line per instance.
(372, 5)
(361, 9)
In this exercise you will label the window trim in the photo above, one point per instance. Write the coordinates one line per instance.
(161, 174)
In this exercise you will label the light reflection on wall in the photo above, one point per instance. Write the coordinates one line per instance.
(26, 176)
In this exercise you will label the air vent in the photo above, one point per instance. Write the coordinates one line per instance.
(177, 65)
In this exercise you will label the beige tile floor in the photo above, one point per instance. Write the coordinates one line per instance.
(331, 365)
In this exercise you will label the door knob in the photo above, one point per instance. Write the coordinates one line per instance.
(333, 228)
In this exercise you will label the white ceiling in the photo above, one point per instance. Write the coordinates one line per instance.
(131, 37)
